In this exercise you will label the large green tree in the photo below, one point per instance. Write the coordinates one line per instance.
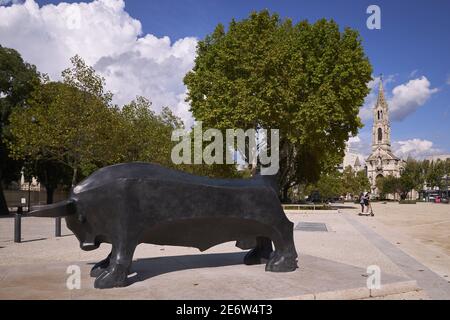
(307, 80)
(17, 81)
(50, 173)
(388, 185)
(434, 174)
(329, 186)
(145, 135)
(70, 122)
(411, 177)
(354, 182)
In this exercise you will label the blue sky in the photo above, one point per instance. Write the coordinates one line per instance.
(413, 42)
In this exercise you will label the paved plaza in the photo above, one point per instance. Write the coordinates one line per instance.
(409, 243)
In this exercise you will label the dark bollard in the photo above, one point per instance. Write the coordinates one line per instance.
(18, 225)
(58, 227)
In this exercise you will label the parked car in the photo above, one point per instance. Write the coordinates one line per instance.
(444, 200)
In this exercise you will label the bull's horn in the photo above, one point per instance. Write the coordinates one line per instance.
(59, 209)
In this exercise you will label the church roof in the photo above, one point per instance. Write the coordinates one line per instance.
(393, 156)
(357, 163)
(385, 155)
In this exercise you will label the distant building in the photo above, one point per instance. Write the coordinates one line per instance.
(382, 162)
(351, 159)
(25, 185)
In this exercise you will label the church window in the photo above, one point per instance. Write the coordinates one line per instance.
(380, 135)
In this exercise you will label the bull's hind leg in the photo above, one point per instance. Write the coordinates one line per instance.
(116, 274)
(261, 253)
(101, 266)
(284, 258)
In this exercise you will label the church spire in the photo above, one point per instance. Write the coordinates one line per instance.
(381, 101)
(381, 132)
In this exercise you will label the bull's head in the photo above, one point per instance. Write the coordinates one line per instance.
(75, 218)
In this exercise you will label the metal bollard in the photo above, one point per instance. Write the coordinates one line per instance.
(18, 225)
(58, 227)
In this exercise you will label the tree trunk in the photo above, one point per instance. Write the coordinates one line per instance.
(74, 177)
(284, 195)
(50, 192)
(3, 205)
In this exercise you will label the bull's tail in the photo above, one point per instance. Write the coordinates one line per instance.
(59, 209)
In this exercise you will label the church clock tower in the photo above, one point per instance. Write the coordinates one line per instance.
(382, 162)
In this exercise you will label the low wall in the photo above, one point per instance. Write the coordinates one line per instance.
(311, 211)
(36, 197)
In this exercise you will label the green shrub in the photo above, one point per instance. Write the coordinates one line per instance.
(308, 207)
(407, 202)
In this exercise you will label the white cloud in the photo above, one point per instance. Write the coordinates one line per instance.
(360, 146)
(107, 38)
(404, 100)
(448, 80)
(353, 151)
(354, 140)
(416, 148)
(407, 98)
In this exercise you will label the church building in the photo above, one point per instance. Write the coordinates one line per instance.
(382, 162)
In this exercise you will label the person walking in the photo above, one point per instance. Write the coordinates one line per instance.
(368, 204)
(361, 201)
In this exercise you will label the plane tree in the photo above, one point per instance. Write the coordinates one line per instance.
(307, 79)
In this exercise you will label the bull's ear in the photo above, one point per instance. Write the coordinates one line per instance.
(59, 209)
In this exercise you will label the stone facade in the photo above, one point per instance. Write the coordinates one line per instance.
(350, 159)
(382, 162)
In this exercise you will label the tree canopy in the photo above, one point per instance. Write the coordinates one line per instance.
(73, 124)
(17, 81)
(145, 135)
(307, 80)
(354, 182)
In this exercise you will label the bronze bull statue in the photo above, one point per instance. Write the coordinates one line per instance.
(133, 203)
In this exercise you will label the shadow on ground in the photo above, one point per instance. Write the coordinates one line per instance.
(143, 269)
(33, 240)
(343, 206)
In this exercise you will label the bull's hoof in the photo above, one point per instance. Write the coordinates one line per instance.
(280, 263)
(97, 271)
(256, 256)
(100, 267)
(111, 278)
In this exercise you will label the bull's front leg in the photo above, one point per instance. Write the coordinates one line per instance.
(116, 274)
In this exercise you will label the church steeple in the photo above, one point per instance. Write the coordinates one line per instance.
(381, 162)
(381, 101)
(381, 131)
